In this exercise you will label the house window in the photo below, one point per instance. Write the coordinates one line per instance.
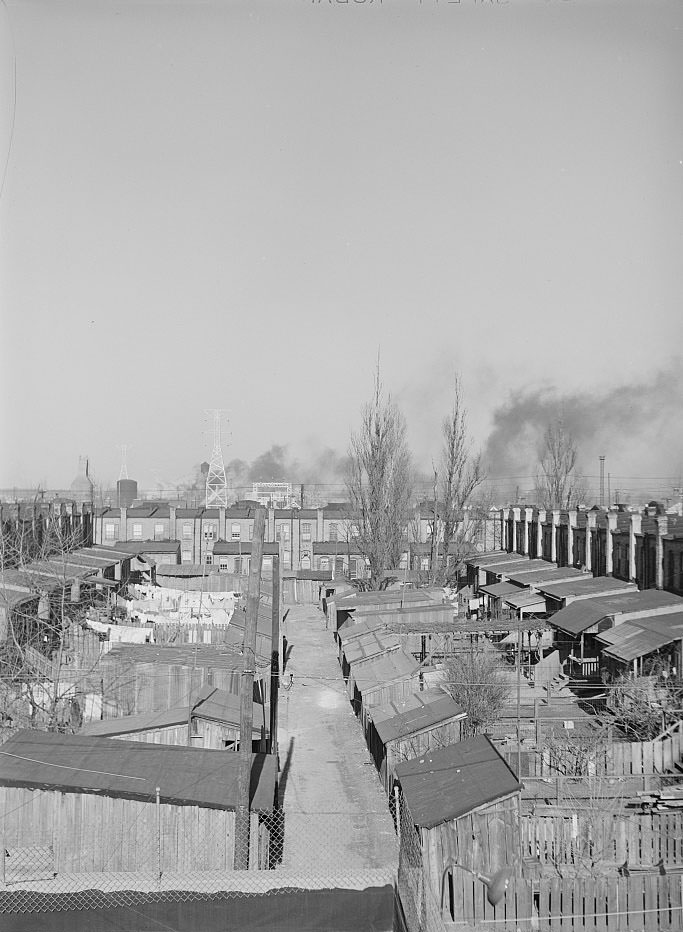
(235, 532)
(187, 532)
(137, 532)
(251, 532)
(110, 532)
(208, 559)
(333, 531)
(223, 564)
(324, 563)
(158, 532)
(306, 532)
(186, 556)
(210, 532)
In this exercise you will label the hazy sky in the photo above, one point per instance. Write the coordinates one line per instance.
(238, 204)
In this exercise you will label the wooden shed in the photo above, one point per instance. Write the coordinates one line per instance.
(423, 629)
(409, 727)
(71, 804)
(464, 802)
(212, 721)
(387, 678)
(344, 606)
(354, 650)
(150, 678)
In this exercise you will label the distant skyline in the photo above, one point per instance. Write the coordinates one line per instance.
(238, 205)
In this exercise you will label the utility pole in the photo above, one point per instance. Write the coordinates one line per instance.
(242, 814)
(275, 656)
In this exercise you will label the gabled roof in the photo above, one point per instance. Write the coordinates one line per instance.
(415, 713)
(133, 770)
(443, 785)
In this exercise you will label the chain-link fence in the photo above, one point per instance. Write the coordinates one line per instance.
(185, 854)
(420, 910)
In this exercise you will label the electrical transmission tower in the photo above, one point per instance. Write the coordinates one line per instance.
(216, 478)
(123, 474)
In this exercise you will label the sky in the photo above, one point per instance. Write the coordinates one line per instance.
(243, 205)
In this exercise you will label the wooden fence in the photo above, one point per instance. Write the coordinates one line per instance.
(614, 758)
(581, 839)
(639, 903)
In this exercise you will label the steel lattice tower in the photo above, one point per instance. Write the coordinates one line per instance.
(216, 479)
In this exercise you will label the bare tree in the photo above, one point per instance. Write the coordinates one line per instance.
(558, 484)
(43, 602)
(460, 475)
(379, 483)
(477, 680)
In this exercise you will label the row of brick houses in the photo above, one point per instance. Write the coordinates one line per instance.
(644, 547)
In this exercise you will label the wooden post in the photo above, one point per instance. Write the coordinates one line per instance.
(158, 832)
(275, 655)
(242, 821)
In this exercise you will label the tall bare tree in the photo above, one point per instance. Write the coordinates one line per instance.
(379, 483)
(461, 474)
(558, 484)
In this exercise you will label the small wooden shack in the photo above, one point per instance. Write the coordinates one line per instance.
(72, 804)
(464, 802)
(153, 678)
(386, 678)
(424, 629)
(354, 650)
(212, 721)
(387, 599)
(409, 727)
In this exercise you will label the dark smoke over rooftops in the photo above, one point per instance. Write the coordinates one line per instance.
(636, 425)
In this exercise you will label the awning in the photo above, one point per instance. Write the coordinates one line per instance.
(526, 600)
(640, 637)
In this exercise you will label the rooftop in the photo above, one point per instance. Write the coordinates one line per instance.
(448, 783)
(133, 770)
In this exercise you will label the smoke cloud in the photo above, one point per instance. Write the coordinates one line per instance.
(635, 425)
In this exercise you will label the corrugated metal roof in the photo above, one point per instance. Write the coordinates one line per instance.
(442, 611)
(133, 770)
(385, 669)
(499, 589)
(415, 713)
(443, 785)
(386, 597)
(581, 615)
(352, 629)
(370, 644)
(642, 636)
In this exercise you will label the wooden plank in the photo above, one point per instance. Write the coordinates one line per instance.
(651, 918)
(554, 905)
